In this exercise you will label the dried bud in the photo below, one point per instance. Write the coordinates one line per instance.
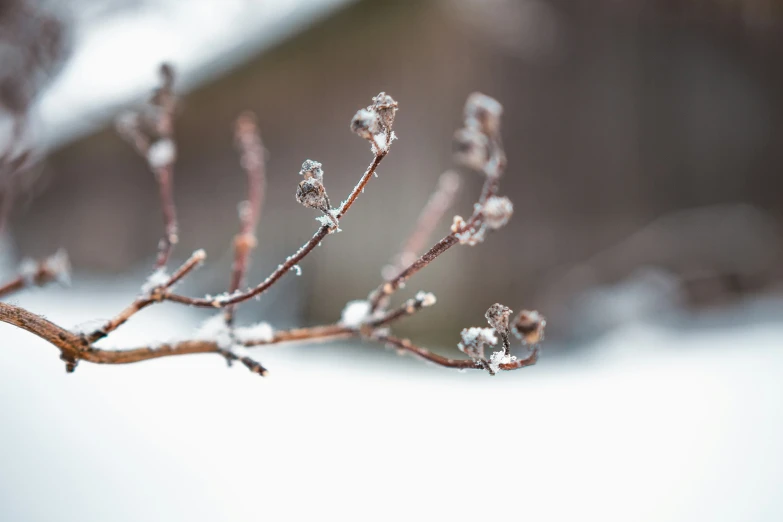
(497, 211)
(483, 113)
(312, 169)
(386, 107)
(529, 326)
(311, 193)
(498, 317)
(471, 148)
(366, 124)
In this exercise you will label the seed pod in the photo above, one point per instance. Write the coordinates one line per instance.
(366, 123)
(498, 317)
(311, 193)
(497, 211)
(386, 107)
(529, 326)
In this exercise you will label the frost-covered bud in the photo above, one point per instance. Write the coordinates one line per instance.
(483, 112)
(474, 339)
(161, 153)
(312, 169)
(498, 317)
(386, 107)
(471, 148)
(497, 211)
(426, 299)
(366, 123)
(311, 193)
(529, 326)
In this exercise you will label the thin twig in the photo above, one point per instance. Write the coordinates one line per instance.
(155, 295)
(437, 206)
(38, 273)
(253, 162)
(282, 269)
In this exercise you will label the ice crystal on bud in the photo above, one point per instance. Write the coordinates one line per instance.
(312, 169)
(498, 358)
(529, 326)
(474, 339)
(311, 193)
(355, 313)
(497, 211)
(498, 317)
(484, 113)
(426, 299)
(366, 124)
(161, 153)
(471, 148)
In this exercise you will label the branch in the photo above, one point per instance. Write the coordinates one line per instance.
(39, 273)
(150, 131)
(253, 162)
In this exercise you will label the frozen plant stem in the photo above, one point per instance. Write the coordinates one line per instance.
(253, 162)
(150, 132)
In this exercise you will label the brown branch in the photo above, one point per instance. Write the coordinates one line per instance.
(38, 273)
(73, 348)
(164, 176)
(406, 346)
(282, 269)
(253, 162)
(154, 294)
(437, 205)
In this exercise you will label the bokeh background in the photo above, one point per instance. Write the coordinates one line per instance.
(645, 147)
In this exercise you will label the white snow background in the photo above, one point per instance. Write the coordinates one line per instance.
(644, 424)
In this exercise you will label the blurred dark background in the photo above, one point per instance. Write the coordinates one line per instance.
(645, 156)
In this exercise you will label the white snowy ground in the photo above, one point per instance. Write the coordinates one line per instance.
(647, 424)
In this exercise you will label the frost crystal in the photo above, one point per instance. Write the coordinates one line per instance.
(426, 298)
(157, 278)
(355, 313)
(499, 358)
(497, 211)
(258, 332)
(161, 153)
(474, 339)
(297, 269)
